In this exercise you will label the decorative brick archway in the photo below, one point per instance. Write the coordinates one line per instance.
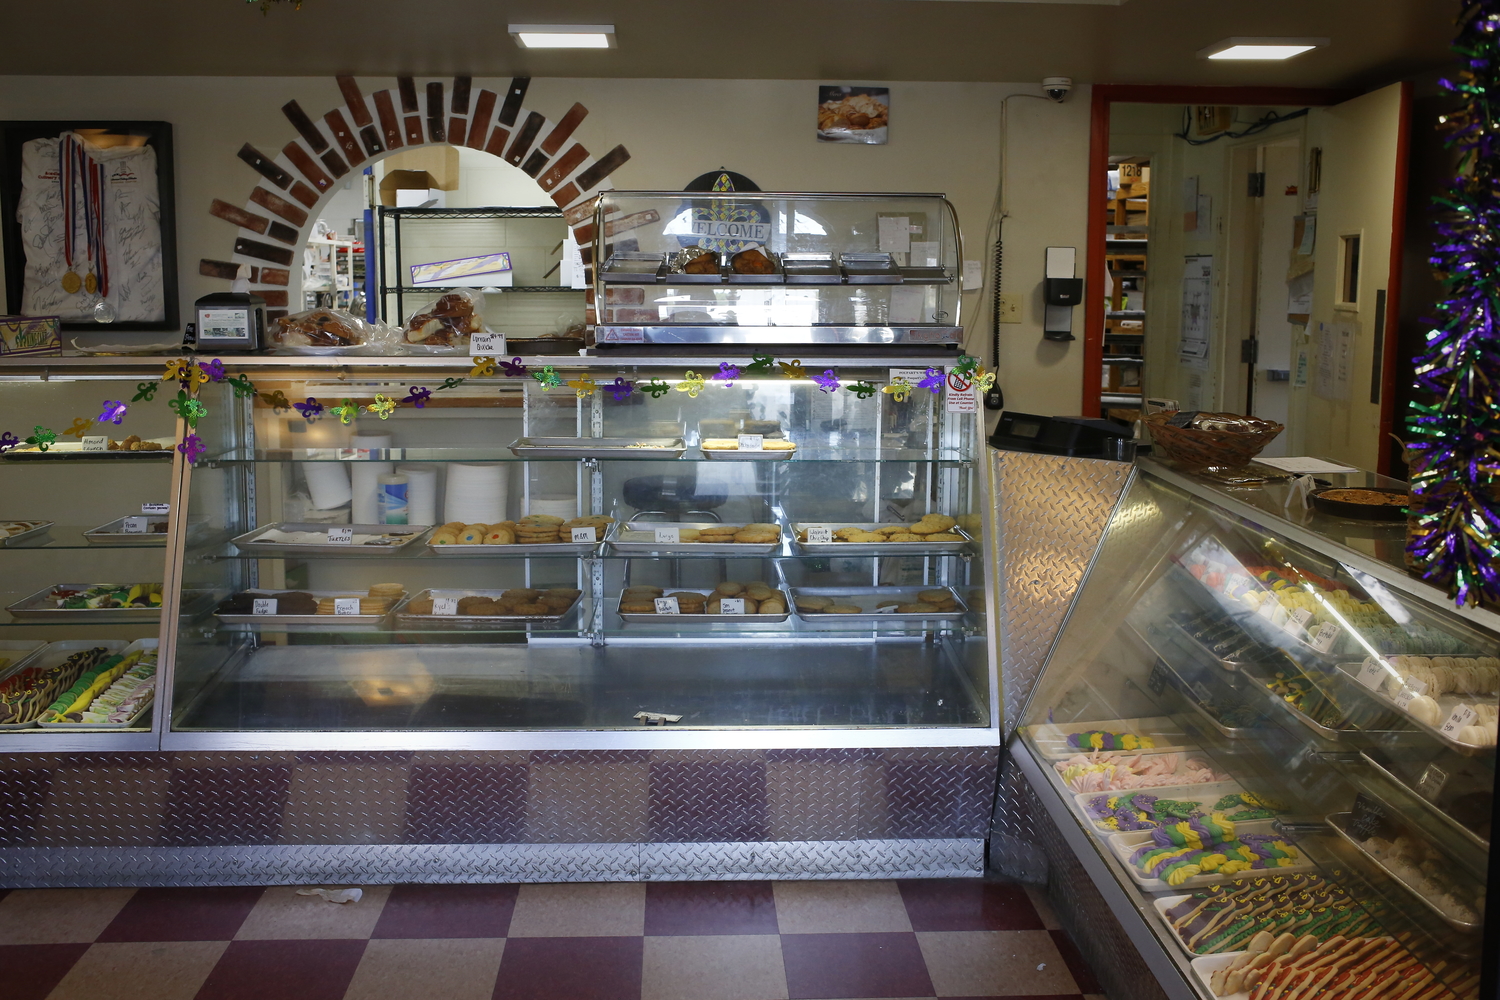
(275, 221)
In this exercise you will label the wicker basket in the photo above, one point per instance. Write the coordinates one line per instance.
(1193, 448)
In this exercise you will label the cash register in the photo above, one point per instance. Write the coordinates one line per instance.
(1080, 437)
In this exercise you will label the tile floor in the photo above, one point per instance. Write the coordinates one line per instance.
(581, 941)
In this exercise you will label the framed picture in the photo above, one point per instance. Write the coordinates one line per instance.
(88, 223)
(854, 114)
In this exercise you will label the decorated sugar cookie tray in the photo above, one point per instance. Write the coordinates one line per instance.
(1145, 808)
(1059, 740)
(1232, 851)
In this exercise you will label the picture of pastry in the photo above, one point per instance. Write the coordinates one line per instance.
(853, 114)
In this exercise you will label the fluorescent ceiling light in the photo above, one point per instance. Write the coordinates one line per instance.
(1260, 48)
(564, 36)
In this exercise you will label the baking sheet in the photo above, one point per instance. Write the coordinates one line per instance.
(39, 607)
(867, 597)
(1125, 844)
(50, 655)
(1107, 756)
(654, 619)
(405, 619)
(1349, 673)
(516, 549)
(872, 548)
(632, 267)
(42, 527)
(811, 269)
(114, 533)
(1205, 966)
(736, 455)
(1338, 822)
(1197, 646)
(776, 277)
(134, 721)
(1205, 795)
(72, 451)
(635, 538)
(1051, 738)
(926, 276)
(248, 542)
(674, 275)
(334, 621)
(870, 269)
(582, 447)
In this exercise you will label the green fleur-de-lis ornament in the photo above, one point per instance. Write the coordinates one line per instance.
(188, 408)
(449, 383)
(42, 438)
(760, 364)
(346, 412)
(146, 391)
(242, 386)
(657, 388)
(864, 390)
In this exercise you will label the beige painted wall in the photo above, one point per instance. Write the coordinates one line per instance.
(944, 137)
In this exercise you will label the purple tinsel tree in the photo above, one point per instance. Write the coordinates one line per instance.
(1454, 435)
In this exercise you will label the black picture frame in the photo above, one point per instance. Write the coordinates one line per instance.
(14, 135)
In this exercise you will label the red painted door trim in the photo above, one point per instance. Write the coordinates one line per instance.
(1390, 341)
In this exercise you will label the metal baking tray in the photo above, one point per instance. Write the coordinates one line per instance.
(1191, 696)
(870, 269)
(582, 447)
(921, 275)
(114, 532)
(1205, 795)
(42, 527)
(72, 451)
(735, 455)
(33, 608)
(811, 269)
(1051, 738)
(408, 532)
(1337, 822)
(515, 549)
(134, 720)
(1196, 646)
(872, 548)
(50, 655)
(633, 268)
(776, 277)
(1348, 673)
(674, 275)
(868, 597)
(405, 619)
(655, 619)
(634, 538)
(333, 621)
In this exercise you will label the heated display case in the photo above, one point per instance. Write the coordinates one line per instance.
(1272, 747)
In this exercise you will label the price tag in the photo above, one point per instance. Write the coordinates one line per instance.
(731, 605)
(1267, 609)
(669, 534)
(1296, 622)
(1278, 616)
(1417, 686)
(589, 534)
(156, 508)
(752, 442)
(136, 525)
(1403, 698)
(820, 535)
(1432, 781)
(96, 443)
(1372, 674)
(445, 605)
(1159, 678)
(346, 605)
(1325, 637)
(489, 344)
(667, 606)
(263, 606)
(341, 536)
(1462, 716)
(1236, 585)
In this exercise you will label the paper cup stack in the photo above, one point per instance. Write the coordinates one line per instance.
(421, 493)
(475, 493)
(327, 484)
(565, 507)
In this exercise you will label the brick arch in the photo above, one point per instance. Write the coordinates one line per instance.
(274, 222)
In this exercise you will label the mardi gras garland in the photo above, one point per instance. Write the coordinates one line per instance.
(190, 376)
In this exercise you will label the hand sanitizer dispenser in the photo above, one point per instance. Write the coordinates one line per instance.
(231, 321)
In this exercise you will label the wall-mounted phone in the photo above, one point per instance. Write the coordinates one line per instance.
(1062, 291)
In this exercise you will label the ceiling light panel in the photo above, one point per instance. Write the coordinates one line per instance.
(1260, 48)
(564, 36)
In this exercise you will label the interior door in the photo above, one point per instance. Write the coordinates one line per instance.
(1280, 166)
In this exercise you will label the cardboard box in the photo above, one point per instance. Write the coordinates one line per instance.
(30, 335)
(430, 168)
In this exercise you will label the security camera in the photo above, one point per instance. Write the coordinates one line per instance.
(1056, 88)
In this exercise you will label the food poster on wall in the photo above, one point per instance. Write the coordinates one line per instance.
(1197, 311)
(854, 114)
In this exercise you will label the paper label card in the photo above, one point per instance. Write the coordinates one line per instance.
(1296, 622)
(1461, 717)
(669, 534)
(346, 605)
(1236, 585)
(1267, 609)
(588, 534)
(341, 536)
(820, 535)
(667, 606)
(263, 606)
(1403, 698)
(96, 443)
(445, 605)
(1372, 674)
(156, 508)
(1432, 781)
(136, 525)
(731, 605)
(752, 442)
(1323, 639)
(488, 344)
(912, 375)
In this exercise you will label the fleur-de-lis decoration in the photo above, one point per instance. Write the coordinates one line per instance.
(583, 386)
(382, 407)
(188, 408)
(449, 383)
(192, 446)
(8, 441)
(177, 371)
(792, 369)
(620, 388)
(692, 383)
(276, 400)
(214, 369)
(933, 381)
(196, 376)
(657, 388)
(483, 368)
(146, 391)
(985, 380)
(242, 386)
(418, 396)
(899, 389)
(727, 373)
(42, 437)
(548, 377)
(967, 364)
(346, 412)
(828, 381)
(760, 364)
(310, 409)
(114, 412)
(863, 390)
(79, 427)
(514, 369)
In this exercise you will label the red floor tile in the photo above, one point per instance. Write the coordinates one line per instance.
(284, 970)
(590, 968)
(211, 913)
(1083, 973)
(447, 911)
(854, 965)
(710, 908)
(967, 905)
(32, 970)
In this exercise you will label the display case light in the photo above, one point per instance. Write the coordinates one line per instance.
(564, 36)
(1261, 48)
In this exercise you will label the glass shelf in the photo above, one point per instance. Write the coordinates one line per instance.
(71, 537)
(804, 454)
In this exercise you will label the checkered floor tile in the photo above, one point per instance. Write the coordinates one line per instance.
(578, 941)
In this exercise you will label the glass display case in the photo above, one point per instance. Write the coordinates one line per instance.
(776, 268)
(1279, 745)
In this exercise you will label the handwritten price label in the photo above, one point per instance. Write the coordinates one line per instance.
(346, 605)
(1296, 622)
(732, 606)
(445, 605)
(93, 443)
(136, 525)
(1325, 637)
(588, 534)
(487, 344)
(820, 536)
(341, 536)
(263, 606)
(1403, 698)
(667, 606)
(156, 508)
(752, 442)
(1462, 716)
(1372, 674)
(668, 535)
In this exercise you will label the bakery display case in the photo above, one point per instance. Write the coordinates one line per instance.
(776, 268)
(1272, 749)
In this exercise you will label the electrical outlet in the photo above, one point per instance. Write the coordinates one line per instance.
(1010, 307)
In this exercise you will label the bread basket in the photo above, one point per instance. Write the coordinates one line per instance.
(1197, 448)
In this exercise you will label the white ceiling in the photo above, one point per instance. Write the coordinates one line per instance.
(1140, 41)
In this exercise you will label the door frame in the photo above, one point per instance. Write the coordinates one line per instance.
(1106, 94)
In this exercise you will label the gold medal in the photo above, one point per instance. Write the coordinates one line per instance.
(71, 283)
(90, 283)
